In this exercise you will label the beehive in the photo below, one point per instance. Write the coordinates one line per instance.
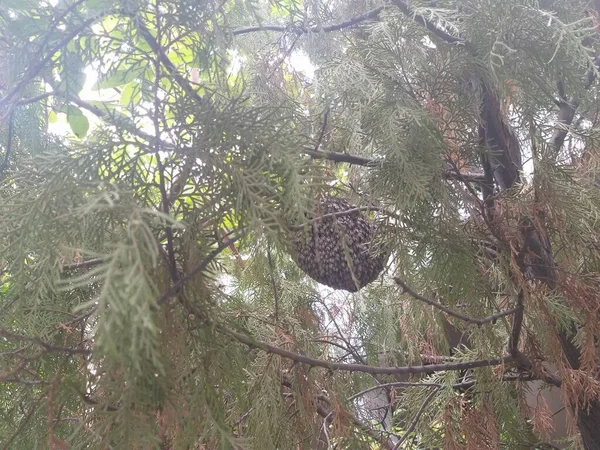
(336, 250)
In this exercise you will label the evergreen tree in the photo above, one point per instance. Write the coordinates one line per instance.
(177, 176)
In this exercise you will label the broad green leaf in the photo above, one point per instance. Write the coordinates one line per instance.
(77, 121)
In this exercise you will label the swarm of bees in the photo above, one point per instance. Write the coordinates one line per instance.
(335, 247)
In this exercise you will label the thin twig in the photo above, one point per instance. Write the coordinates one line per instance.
(365, 161)
(467, 319)
(348, 212)
(116, 121)
(24, 421)
(339, 157)
(161, 168)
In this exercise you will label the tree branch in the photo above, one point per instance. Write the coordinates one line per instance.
(517, 326)
(365, 161)
(173, 290)
(566, 109)
(114, 120)
(83, 265)
(467, 319)
(313, 362)
(165, 61)
(36, 340)
(372, 14)
(348, 212)
(340, 157)
(427, 24)
(462, 385)
(415, 420)
(34, 70)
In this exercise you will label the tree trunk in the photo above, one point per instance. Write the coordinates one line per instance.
(502, 164)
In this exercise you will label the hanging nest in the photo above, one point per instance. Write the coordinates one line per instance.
(335, 250)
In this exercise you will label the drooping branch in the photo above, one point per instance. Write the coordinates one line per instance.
(372, 14)
(450, 312)
(314, 362)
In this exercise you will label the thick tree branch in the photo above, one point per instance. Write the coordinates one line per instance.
(467, 319)
(515, 335)
(372, 14)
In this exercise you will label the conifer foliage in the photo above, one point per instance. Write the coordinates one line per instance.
(161, 161)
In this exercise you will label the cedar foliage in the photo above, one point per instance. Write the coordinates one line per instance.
(158, 155)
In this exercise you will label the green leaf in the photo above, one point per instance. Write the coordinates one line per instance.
(52, 117)
(77, 121)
